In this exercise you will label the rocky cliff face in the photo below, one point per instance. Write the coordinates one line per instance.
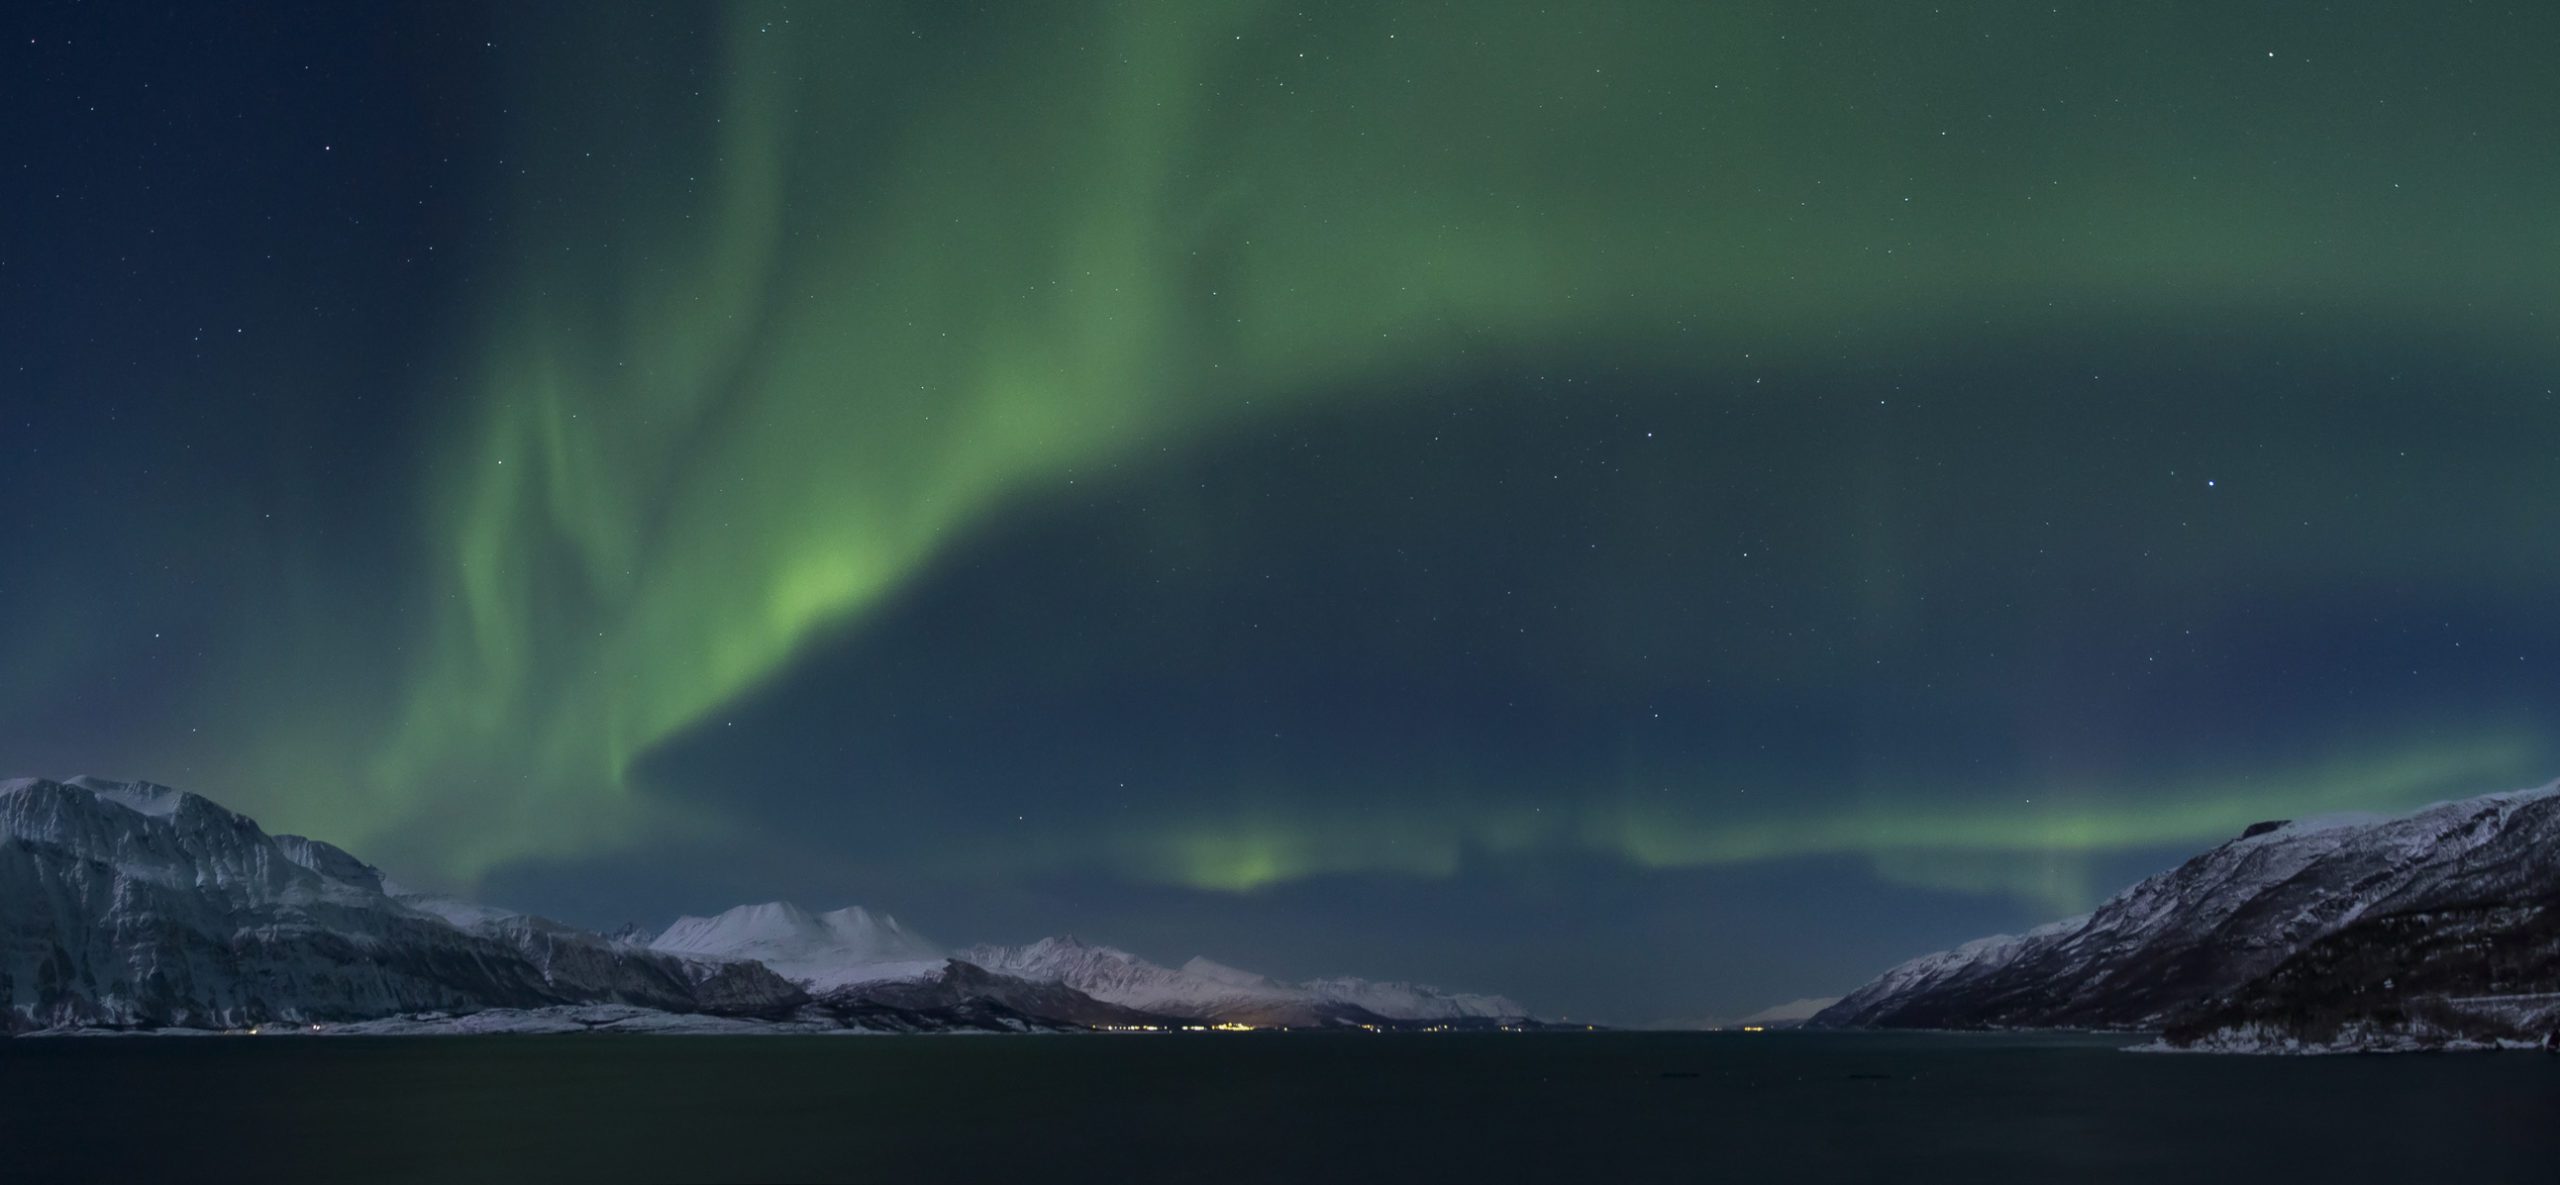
(133, 905)
(2288, 925)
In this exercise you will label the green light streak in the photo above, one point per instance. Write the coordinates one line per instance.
(751, 381)
(1927, 836)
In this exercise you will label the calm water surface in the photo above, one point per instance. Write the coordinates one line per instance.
(1261, 1107)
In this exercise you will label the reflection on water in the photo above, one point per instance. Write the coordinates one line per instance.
(1262, 1107)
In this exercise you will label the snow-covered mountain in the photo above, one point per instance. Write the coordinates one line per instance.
(2219, 931)
(819, 951)
(1398, 1000)
(134, 905)
(1203, 991)
(1208, 991)
(855, 955)
(963, 989)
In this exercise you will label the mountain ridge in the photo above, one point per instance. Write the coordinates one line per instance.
(2196, 949)
(150, 907)
(154, 908)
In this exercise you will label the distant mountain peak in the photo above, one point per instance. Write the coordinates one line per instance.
(1222, 973)
(1203, 989)
(142, 798)
(826, 950)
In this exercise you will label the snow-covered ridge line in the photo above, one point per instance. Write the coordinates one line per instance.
(2237, 922)
(1208, 990)
(139, 907)
(818, 951)
(852, 947)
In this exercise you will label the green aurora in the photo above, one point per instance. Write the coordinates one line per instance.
(872, 287)
(777, 315)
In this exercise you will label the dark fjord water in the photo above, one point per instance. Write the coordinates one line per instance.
(1262, 1107)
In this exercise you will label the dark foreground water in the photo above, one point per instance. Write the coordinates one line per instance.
(1217, 1109)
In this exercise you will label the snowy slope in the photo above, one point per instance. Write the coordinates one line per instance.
(819, 951)
(2187, 938)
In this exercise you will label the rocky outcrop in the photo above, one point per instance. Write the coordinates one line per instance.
(133, 905)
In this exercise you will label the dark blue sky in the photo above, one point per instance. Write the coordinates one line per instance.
(1654, 512)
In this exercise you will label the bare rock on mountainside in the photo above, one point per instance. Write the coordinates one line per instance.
(134, 905)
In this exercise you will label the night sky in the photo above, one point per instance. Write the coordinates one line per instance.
(1656, 509)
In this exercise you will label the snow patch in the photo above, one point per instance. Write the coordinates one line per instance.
(820, 951)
